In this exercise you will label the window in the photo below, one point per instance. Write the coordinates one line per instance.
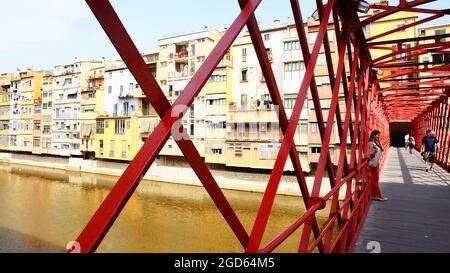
(291, 46)
(325, 103)
(316, 150)
(252, 129)
(111, 148)
(304, 158)
(314, 128)
(244, 74)
(322, 80)
(312, 37)
(268, 151)
(109, 89)
(266, 37)
(37, 125)
(218, 78)
(292, 70)
(289, 101)
(269, 54)
(124, 149)
(321, 59)
(163, 64)
(46, 129)
(131, 86)
(330, 35)
(440, 32)
(241, 129)
(244, 54)
(119, 128)
(36, 142)
(121, 91)
(262, 129)
(304, 129)
(244, 100)
(100, 126)
(200, 59)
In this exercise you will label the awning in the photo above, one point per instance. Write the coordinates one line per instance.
(216, 146)
(216, 96)
(87, 129)
(72, 91)
(216, 119)
(145, 125)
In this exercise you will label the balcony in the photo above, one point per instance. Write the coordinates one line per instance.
(215, 110)
(181, 55)
(252, 115)
(67, 116)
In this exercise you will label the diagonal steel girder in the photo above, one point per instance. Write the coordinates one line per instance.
(109, 210)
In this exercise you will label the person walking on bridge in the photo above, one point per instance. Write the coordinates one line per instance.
(429, 147)
(375, 149)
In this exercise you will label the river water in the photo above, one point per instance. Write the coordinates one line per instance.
(41, 210)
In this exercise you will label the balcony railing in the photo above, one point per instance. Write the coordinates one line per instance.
(181, 54)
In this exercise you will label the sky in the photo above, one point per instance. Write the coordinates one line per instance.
(41, 34)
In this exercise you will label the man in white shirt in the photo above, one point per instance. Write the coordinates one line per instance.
(406, 141)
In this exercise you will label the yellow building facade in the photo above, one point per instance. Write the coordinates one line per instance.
(30, 95)
(5, 92)
(377, 28)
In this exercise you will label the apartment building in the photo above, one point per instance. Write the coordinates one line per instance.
(46, 112)
(5, 93)
(126, 117)
(218, 93)
(253, 133)
(30, 97)
(179, 58)
(68, 82)
(14, 114)
(91, 107)
(147, 116)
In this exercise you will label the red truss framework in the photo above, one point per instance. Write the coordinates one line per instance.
(368, 107)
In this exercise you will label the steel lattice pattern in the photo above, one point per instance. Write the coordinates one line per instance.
(374, 107)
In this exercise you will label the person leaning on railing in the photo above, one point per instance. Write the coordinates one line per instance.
(375, 149)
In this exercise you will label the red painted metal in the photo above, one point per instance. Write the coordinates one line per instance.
(375, 105)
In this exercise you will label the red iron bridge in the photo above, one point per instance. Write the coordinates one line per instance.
(414, 219)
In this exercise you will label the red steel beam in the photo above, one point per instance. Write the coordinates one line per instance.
(266, 67)
(386, 13)
(98, 226)
(405, 27)
(420, 10)
(269, 195)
